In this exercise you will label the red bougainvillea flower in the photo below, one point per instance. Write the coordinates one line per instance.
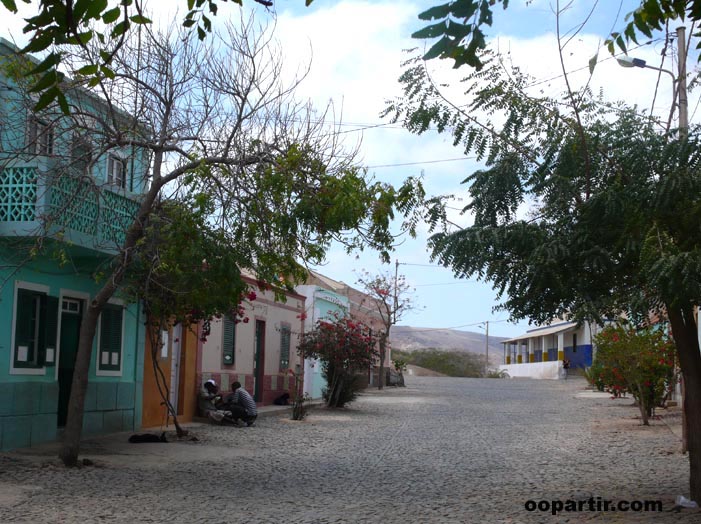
(251, 296)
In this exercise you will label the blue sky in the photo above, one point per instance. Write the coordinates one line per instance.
(355, 49)
(358, 55)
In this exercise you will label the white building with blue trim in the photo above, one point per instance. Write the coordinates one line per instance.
(540, 352)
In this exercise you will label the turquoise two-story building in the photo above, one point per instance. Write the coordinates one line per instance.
(67, 195)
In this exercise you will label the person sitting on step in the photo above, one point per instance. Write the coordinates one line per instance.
(210, 403)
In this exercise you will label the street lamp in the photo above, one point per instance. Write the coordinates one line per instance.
(485, 326)
(627, 61)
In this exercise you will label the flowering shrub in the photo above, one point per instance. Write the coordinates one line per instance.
(639, 362)
(344, 346)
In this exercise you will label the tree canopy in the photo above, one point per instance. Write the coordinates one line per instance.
(459, 26)
(584, 208)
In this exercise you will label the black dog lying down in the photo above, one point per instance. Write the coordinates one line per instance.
(147, 437)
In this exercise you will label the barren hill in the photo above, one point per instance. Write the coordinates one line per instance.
(407, 338)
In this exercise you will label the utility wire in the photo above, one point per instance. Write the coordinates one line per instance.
(424, 162)
(449, 283)
(421, 265)
(454, 327)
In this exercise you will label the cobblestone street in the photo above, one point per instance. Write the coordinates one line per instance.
(439, 450)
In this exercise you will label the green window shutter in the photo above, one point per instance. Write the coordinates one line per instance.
(110, 354)
(228, 345)
(26, 333)
(285, 335)
(48, 331)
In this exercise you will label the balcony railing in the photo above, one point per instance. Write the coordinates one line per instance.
(72, 208)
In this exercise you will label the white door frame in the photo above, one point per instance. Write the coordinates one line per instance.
(175, 365)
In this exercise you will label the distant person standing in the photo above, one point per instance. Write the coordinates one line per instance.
(566, 366)
(241, 404)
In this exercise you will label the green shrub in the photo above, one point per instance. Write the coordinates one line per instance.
(452, 363)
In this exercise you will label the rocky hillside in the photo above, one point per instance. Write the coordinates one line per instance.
(406, 338)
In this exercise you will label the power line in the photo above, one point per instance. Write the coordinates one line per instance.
(448, 283)
(454, 327)
(424, 162)
(421, 265)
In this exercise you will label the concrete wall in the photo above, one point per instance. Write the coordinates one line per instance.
(540, 370)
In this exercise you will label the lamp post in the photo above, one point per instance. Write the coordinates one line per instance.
(486, 346)
(678, 83)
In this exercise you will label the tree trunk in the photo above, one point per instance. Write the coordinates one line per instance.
(76, 403)
(74, 422)
(383, 349)
(642, 403)
(338, 391)
(684, 331)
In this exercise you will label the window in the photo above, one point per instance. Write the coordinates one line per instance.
(110, 346)
(228, 345)
(285, 336)
(81, 154)
(574, 342)
(40, 137)
(36, 325)
(70, 305)
(116, 171)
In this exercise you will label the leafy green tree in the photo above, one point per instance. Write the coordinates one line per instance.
(655, 15)
(345, 347)
(613, 208)
(216, 118)
(183, 271)
(640, 362)
(458, 26)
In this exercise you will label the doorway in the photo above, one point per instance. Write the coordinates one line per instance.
(259, 363)
(175, 367)
(71, 316)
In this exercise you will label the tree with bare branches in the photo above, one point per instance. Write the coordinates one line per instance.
(215, 120)
(391, 296)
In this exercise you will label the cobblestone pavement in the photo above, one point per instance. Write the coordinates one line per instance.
(440, 450)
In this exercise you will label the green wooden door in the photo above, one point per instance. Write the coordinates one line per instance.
(259, 371)
(70, 330)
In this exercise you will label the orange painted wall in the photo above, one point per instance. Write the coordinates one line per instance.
(188, 387)
(154, 413)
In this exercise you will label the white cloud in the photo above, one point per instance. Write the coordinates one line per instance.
(356, 50)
